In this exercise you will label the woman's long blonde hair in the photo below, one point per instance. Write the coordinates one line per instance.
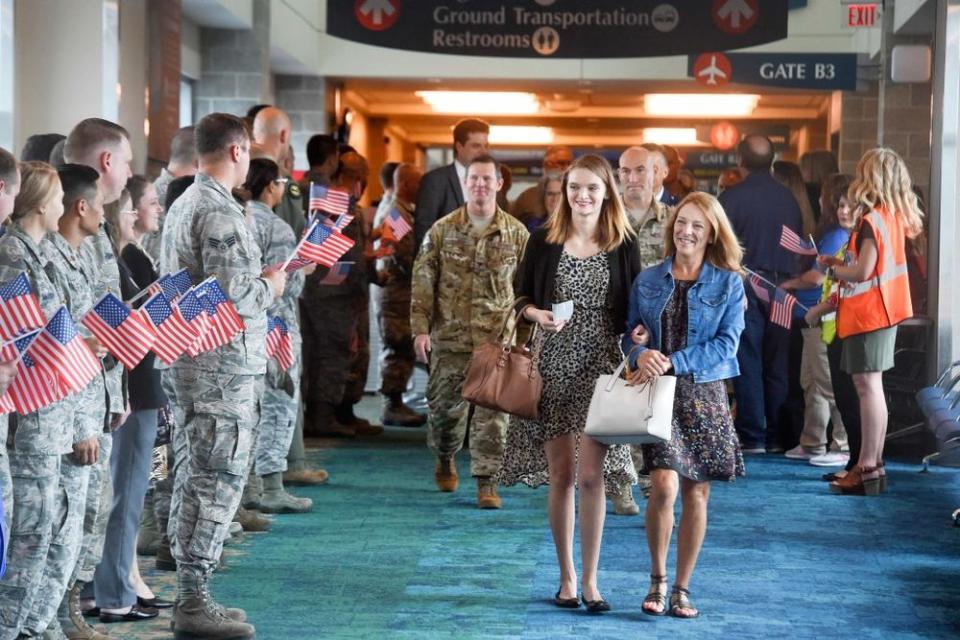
(883, 181)
(613, 227)
(723, 248)
(38, 181)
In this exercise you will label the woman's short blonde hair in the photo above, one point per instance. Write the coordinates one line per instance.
(613, 227)
(723, 248)
(883, 181)
(38, 183)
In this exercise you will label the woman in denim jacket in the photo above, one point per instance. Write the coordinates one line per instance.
(689, 311)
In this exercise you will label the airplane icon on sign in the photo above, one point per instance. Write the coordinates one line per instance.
(711, 72)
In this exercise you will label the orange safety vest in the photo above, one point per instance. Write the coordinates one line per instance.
(884, 299)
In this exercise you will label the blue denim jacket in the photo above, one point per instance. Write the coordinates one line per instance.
(715, 320)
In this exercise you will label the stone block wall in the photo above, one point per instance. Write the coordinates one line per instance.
(304, 98)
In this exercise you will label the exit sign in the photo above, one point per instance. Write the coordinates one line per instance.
(861, 14)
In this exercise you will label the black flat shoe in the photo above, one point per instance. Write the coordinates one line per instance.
(566, 603)
(92, 613)
(597, 606)
(154, 602)
(135, 614)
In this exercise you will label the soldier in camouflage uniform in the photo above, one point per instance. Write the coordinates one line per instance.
(392, 303)
(462, 293)
(76, 278)
(641, 172)
(281, 397)
(9, 187)
(183, 162)
(36, 440)
(272, 131)
(217, 393)
(335, 317)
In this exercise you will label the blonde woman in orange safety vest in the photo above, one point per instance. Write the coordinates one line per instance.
(874, 299)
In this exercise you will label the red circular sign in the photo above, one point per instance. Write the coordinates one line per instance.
(712, 69)
(376, 15)
(735, 16)
(724, 136)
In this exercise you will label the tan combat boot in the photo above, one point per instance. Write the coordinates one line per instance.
(251, 521)
(275, 498)
(623, 502)
(198, 617)
(396, 413)
(71, 619)
(305, 477)
(251, 492)
(487, 497)
(165, 560)
(445, 474)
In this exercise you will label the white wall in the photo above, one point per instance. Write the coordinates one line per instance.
(189, 49)
(133, 77)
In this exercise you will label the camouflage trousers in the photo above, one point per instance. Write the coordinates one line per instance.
(216, 417)
(336, 350)
(35, 494)
(63, 553)
(450, 416)
(396, 354)
(278, 416)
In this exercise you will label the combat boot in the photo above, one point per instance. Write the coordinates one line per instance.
(252, 491)
(487, 497)
(305, 477)
(198, 617)
(148, 537)
(165, 560)
(275, 499)
(322, 423)
(395, 413)
(623, 502)
(54, 632)
(445, 474)
(71, 620)
(251, 521)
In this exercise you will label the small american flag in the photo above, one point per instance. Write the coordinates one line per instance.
(294, 265)
(60, 348)
(781, 309)
(34, 386)
(790, 241)
(759, 287)
(398, 224)
(324, 245)
(225, 322)
(124, 333)
(174, 333)
(340, 223)
(177, 284)
(195, 315)
(19, 308)
(279, 345)
(337, 274)
(333, 201)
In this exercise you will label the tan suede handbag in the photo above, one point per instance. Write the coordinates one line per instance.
(503, 376)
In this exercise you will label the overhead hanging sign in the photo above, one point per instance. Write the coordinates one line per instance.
(828, 71)
(559, 28)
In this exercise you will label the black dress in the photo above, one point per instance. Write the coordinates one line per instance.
(703, 444)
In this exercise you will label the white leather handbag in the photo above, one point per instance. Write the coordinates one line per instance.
(623, 413)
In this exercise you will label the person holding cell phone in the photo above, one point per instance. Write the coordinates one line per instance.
(584, 254)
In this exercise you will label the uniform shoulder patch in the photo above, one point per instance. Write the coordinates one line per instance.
(293, 189)
(222, 244)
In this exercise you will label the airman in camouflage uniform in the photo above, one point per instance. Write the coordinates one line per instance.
(336, 319)
(36, 443)
(462, 293)
(78, 478)
(217, 393)
(392, 303)
(281, 397)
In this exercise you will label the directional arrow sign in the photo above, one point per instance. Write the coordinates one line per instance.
(377, 15)
(736, 16)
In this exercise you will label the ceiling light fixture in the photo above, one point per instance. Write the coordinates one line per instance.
(481, 102)
(704, 105)
(680, 136)
(520, 135)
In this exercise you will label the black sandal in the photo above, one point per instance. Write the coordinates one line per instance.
(655, 596)
(566, 603)
(680, 599)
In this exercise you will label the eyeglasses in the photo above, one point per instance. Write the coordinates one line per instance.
(281, 180)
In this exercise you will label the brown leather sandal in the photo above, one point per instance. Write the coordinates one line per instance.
(680, 599)
(656, 597)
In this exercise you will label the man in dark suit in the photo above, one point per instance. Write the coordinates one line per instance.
(442, 190)
(758, 208)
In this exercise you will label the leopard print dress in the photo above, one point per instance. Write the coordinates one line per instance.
(570, 361)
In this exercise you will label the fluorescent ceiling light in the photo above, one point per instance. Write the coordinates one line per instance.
(705, 105)
(481, 102)
(671, 135)
(520, 135)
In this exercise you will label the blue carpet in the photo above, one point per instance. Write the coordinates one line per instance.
(384, 555)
